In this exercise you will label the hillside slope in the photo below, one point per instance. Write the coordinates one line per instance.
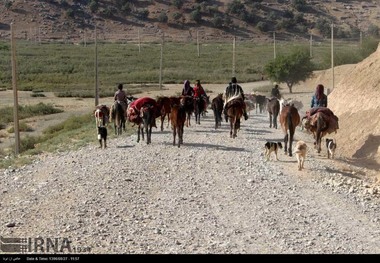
(69, 19)
(355, 100)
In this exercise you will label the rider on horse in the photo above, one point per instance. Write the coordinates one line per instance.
(187, 89)
(121, 97)
(233, 91)
(200, 93)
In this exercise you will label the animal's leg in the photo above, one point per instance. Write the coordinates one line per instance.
(181, 132)
(174, 134)
(179, 135)
(328, 153)
(286, 143)
(168, 120)
(162, 122)
(298, 162)
(276, 155)
(270, 120)
(266, 154)
(105, 143)
(303, 161)
(231, 128)
(150, 134)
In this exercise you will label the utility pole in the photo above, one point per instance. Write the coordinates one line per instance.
(15, 96)
(274, 45)
(161, 58)
(311, 45)
(332, 55)
(96, 68)
(233, 56)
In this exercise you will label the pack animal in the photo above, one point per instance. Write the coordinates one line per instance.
(102, 136)
(272, 147)
(331, 147)
(199, 109)
(148, 116)
(289, 120)
(217, 108)
(273, 108)
(300, 151)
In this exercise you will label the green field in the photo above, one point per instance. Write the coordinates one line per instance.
(69, 70)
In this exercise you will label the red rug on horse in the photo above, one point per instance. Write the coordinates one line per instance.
(133, 112)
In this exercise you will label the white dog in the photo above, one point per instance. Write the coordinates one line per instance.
(300, 151)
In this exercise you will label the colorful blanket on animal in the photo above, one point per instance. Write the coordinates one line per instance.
(331, 121)
(133, 111)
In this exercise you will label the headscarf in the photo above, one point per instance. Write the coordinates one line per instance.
(186, 86)
(319, 91)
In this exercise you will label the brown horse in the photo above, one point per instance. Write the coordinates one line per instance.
(234, 110)
(117, 115)
(289, 119)
(178, 119)
(320, 121)
(217, 108)
(273, 108)
(189, 107)
(165, 108)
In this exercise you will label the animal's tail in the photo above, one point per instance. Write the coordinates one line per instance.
(290, 125)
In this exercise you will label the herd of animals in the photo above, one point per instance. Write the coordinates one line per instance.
(178, 110)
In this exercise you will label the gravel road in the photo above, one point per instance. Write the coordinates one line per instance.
(212, 195)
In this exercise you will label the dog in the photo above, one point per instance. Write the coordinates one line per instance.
(272, 147)
(300, 151)
(331, 147)
(102, 136)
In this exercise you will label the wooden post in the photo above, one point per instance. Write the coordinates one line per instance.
(233, 56)
(161, 58)
(332, 55)
(198, 44)
(138, 35)
(15, 96)
(96, 68)
(274, 45)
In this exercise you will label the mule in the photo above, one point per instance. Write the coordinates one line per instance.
(164, 105)
(217, 108)
(117, 115)
(273, 108)
(289, 120)
(234, 109)
(178, 119)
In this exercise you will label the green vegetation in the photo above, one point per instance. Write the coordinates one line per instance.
(6, 114)
(68, 70)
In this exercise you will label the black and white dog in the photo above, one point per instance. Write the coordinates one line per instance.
(102, 136)
(272, 147)
(331, 147)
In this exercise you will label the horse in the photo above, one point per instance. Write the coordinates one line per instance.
(273, 108)
(117, 115)
(320, 121)
(289, 120)
(101, 114)
(165, 108)
(234, 109)
(217, 108)
(143, 111)
(189, 108)
(148, 116)
(199, 108)
(178, 119)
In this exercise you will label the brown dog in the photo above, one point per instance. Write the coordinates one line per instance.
(300, 151)
(272, 147)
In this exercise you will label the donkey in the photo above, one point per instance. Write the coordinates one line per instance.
(273, 108)
(217, 108)
(289, 119)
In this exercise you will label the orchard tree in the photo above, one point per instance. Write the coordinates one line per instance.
(290, 69)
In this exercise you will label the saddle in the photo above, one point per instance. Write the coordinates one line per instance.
(331, 120)
(237, 102)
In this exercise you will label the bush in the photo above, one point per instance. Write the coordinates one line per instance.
(163, 18)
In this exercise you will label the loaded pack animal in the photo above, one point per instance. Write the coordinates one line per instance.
(163, 104)
(300, 151)
(320, 121)
(234, 110)
(143, 112)
(273, 108)
(117, 115)
(101, 114)
(178, 119)
(217, 108)
(289, 119)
